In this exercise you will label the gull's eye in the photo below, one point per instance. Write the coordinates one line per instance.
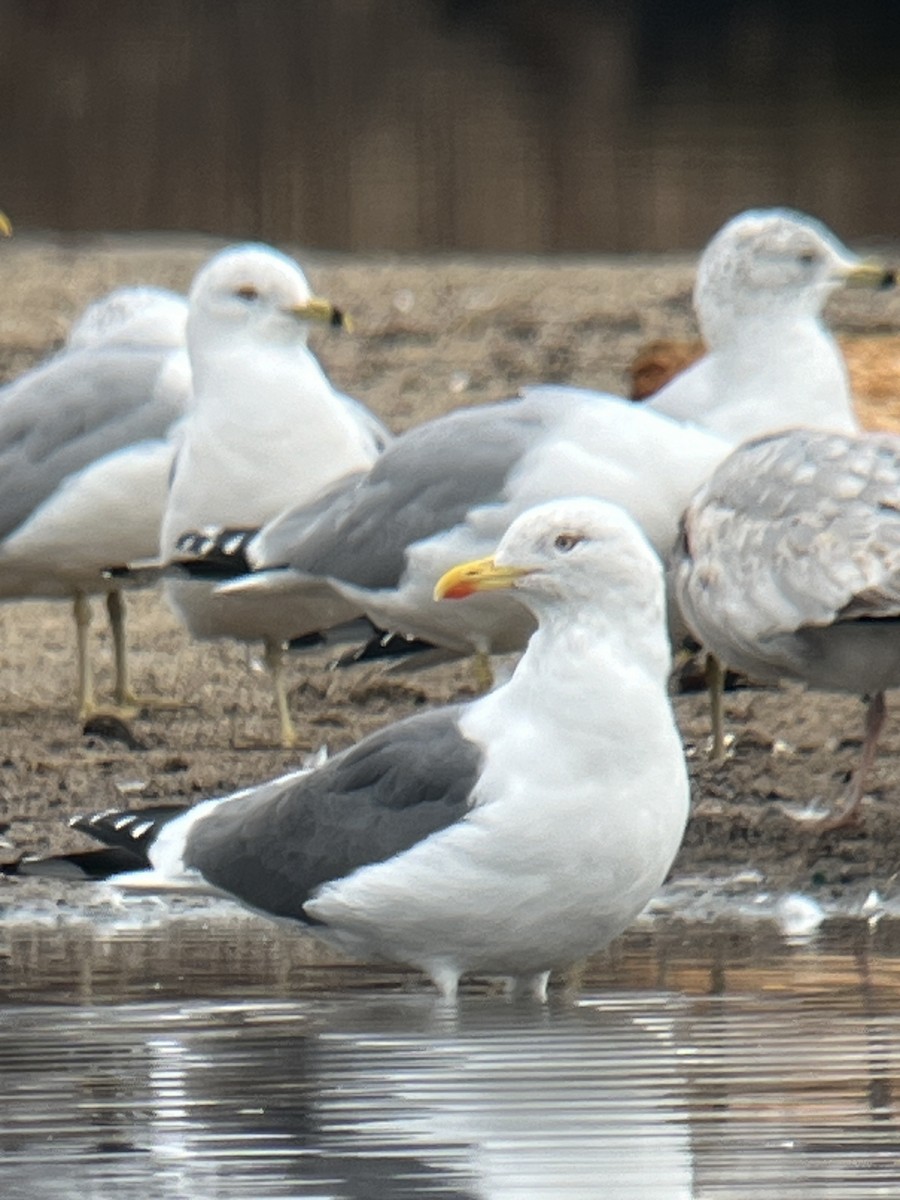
(565, 542)
(247, 292)
(808, 258)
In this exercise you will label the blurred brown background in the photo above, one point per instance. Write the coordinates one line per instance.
(482, 125)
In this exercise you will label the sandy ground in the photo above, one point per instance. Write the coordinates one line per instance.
(430, 335)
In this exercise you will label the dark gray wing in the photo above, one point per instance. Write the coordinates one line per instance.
(426, 481)
(274, 847)
(75, 409)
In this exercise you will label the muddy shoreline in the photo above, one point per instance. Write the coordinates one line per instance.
(430, 335)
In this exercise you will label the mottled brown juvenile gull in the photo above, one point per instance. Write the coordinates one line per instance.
(509, 836)
(788, 567)
(762, 283)
(265, 430)
(85, 461)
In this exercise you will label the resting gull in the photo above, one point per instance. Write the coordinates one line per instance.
(265, 430)
(788, 567)
(448, 489)
(762, 283)
(508, 836)
(84, 461)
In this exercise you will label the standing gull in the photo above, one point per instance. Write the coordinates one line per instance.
(84, 461)
(509, 836)
(762, 283)
(788, 567)
(266, 430)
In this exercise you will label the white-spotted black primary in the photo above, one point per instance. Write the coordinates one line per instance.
(506, 837)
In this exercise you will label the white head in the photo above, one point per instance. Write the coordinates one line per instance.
(255, 292)
(769, 261)
(132, 316)
(580, 553)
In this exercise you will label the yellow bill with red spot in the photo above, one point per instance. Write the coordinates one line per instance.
(481, 575)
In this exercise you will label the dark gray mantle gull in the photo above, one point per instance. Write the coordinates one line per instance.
(85, 460)
(788, 567)
(509, 836)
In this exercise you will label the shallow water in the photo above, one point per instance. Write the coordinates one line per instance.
(724, 1064)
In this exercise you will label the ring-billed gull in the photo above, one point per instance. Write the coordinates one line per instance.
(266, 429)
(509, 836)
(84, 460)
(788, 567)
(762, 283)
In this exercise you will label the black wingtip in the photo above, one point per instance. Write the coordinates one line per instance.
(94, 865)
(218, 555)
(132, 830)
(383, 646)
(126, 838)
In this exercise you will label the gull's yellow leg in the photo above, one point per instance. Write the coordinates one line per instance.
(81, 609)
(274, 660)
(483, 671)
(127, 704)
